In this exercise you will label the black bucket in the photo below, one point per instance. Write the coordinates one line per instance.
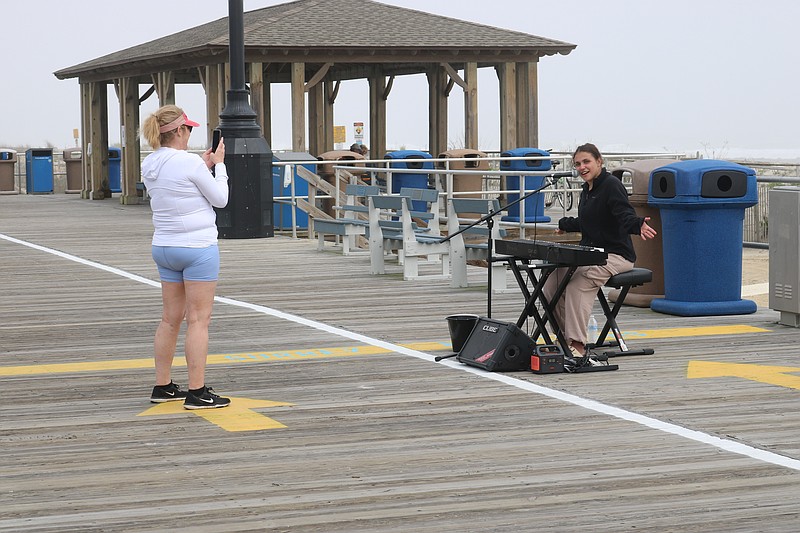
(460, 327)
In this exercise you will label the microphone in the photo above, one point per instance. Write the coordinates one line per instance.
(571, 174)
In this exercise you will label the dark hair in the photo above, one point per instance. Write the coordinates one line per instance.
(589, 148)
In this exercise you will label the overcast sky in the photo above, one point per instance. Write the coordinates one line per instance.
(715, 76)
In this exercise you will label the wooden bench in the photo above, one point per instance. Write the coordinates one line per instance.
(352, 222)
(392, 228)
(466, 249)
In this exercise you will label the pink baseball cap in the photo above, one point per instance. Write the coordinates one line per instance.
(177, 123)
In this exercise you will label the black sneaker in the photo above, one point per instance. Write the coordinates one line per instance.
(167, 393)
(206, 400)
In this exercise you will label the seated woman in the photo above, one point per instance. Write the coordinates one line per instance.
(606, 220)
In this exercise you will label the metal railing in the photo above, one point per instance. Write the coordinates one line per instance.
(756, 220)
(381, 172)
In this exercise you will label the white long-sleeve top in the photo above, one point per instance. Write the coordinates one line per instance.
(183, 193)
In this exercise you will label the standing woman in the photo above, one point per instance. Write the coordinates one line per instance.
(183, 193)
(606, 220)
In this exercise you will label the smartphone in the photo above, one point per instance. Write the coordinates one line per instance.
(215, 137)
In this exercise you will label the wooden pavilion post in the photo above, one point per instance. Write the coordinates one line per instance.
(378, 95)
(437, 110)
(86, 135)
(328, 102)
(508, 106)
(131, 150)
(471, 106)
(260, 99)
(298, 107)
(98, 153)
(527, 105)
(316, 119)
(210, 79)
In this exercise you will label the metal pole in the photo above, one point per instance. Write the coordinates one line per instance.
(248, 157)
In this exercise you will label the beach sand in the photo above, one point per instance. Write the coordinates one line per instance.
(755, 276)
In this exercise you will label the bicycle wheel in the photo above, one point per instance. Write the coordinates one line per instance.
(569, 195)
(549, 198)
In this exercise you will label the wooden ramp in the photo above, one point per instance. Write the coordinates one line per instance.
(342, 420)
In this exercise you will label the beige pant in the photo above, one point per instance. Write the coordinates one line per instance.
(575, 306)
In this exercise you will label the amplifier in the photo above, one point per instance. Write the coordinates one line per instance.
(547, 359)
(497, 346)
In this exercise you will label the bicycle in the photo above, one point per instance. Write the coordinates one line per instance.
(560, 191)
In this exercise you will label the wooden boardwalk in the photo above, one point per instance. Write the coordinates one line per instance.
(344, 422)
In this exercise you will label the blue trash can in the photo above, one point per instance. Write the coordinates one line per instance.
(39, 170)
(415, 181)
(282, 211)
(534, 206)
(114, 170)
(702, 204)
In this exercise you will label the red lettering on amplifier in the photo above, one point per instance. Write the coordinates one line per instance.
(485, 357)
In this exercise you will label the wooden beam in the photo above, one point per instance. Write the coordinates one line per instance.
(165, 87)
(213, 108)
(298, 107)
(266, 96)
(99, 141)
(449, 88)
(437, 110)
(147, 94)
(256, 79)
(454, 75)
(316, 119)
(508, 106)
(131, 152)
(335, 92)
(86, 139)
(317, 77)
(328, 106)
(388, 90)
(471, 106)
(377, 115)
(527, 104)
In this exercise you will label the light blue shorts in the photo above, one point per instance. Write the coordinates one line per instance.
(177, 264)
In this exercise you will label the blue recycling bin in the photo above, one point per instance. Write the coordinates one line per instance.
(282, 211)
(114, 170)
(413, 180)
(702, 204)
(39, 170)
(534, 205)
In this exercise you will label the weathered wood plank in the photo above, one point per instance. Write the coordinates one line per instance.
(384, 442)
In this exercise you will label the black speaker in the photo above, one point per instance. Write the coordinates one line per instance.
(497, 346)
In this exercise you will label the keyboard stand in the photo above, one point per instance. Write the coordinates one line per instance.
(517, 267)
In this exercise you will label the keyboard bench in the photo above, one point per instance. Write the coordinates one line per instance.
(624, 281)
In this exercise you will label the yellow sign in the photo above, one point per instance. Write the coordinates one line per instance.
(771, 375)
(238, 416)
(339, 134)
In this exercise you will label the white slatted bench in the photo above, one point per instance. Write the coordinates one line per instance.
(464, 249)
(353, 222)
(412, 243)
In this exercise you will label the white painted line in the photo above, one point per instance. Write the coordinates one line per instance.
(666, 427)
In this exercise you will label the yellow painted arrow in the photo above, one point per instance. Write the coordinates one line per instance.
(772, 375)
(238, 416)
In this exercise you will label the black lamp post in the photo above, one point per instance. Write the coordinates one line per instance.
(248, 156)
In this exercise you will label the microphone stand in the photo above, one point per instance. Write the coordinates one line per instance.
(489, 219)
